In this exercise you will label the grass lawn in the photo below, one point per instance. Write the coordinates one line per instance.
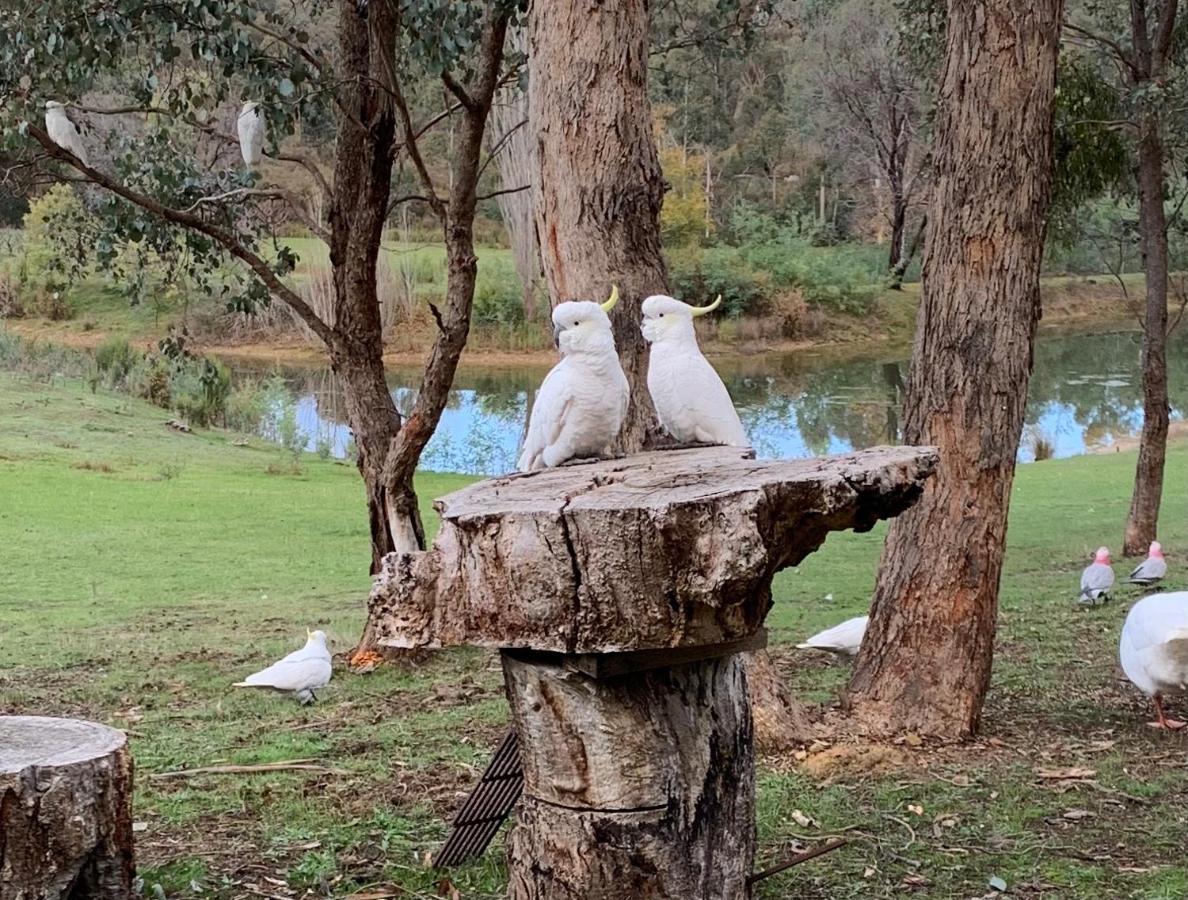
(144, 570)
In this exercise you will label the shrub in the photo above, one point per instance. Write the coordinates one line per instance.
(116, 359)
(198, 390)
(150, 380)
(699, 278)
(245, 406)
(11, 306)
(498, 299)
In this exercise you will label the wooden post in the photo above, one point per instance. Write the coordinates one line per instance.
(65, 810)
(624, 596)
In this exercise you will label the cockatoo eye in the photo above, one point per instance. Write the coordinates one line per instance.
(661, 315)
(576, 324)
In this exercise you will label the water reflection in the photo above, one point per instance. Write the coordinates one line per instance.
(1085, 394)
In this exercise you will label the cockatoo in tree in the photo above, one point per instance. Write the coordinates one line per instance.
(690, 398)
(1152, 569)
(250, 125)
(301, 672)
(845, 638)
(62, 131)
(581, 403)
(1153, 649)
(1098, 578)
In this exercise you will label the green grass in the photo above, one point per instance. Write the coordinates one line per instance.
(144, 570)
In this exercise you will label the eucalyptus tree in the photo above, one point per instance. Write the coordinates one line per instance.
(162, 84)
(1142, 44)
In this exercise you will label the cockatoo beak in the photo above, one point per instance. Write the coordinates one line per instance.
(308, 635)
(557, 329)
(614, 298)
(703, 310)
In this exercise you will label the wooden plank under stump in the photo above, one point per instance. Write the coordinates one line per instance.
(491, 801)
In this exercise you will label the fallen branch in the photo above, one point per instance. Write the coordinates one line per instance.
(797, 860)
(292, 765)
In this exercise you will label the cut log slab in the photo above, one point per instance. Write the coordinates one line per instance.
(661, 549)
(65, 810)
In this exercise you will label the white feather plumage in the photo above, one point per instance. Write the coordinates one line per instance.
(691, 401)
(844, 638)
(1153, 648)
(301, 672)
(62, 131)
(250, 126)
(582, 401)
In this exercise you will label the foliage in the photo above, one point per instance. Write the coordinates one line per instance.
(684, 217)
(279, 423)
(198, 390)
(246, 405)
(498, 298)
(115, 359)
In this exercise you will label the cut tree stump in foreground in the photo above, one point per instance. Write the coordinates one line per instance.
(65, 810)
(638, 761)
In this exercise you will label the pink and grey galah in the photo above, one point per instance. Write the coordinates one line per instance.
(1098, 578)
(1152, 569)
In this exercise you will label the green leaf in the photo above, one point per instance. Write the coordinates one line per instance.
(285, 87)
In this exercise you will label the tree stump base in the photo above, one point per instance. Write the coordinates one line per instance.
(627, 598)
(65, 810)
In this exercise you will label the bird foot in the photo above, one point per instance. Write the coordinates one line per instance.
(1168, 724)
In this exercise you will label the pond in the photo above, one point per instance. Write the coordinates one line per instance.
(1085, 396)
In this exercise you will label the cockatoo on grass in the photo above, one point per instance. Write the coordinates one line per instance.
(845, 638)
(581, 403)
(62, 131)
(1152, 569)
(250, 125)
(690, 398)
(301, 672)
(1154, 649)
(1098, 578)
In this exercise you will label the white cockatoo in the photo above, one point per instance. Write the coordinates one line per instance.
(250, 125)
(1153, 649)
(581, 403)
(1098, 578)
(690, 399)
(845, 638)
(301, 672)
(1152, 569)
(62, 131)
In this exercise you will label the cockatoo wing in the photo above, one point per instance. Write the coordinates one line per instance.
(304, 669)
(696, 405)
(843, 638)
(251, 136)
(1148, 571)
(1153, 637)
(1097, 578)
(553, 402)
(65, 134)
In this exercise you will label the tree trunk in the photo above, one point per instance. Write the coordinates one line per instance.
(65, 811)
(1150, 61)
(641, 785)
(600, 188)
(925, 663)
(898, 228)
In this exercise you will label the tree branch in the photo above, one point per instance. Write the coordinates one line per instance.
(457, 90)
(414, 153)
(189, 220)
(500, 193)
(1119, 52)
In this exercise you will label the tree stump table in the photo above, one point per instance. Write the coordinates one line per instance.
(622, 595)
(65, 810)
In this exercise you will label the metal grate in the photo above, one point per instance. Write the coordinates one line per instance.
(492, 799)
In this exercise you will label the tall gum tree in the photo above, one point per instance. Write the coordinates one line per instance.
(925, 663)
(176, 68)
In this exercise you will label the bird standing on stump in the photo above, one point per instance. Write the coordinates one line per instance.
(250, 125)
(690, 399)
(62, 131)
(582, 402)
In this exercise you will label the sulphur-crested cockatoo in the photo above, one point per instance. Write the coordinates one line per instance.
(1154, 649)
(1098, 578)
(62, 131)
(250, 125)
(690, 399)
(301, 672)
(581, 403)
(845, 638)
(1152, 569)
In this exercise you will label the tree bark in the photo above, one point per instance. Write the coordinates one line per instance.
(65, 811)
(925, 664)
(898, 229)
(640, 786)
(1150, 59)
(600, 188)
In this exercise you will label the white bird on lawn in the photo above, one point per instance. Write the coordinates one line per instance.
(250, 125)
(301, 672)
(581, 403)
(845, 638)
(1098, 578)
(1151, 569)
(690, 399)
(1154, 649)
(62, 131)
